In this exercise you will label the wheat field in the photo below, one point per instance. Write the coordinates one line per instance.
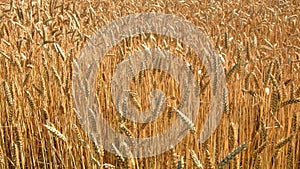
(258, 44)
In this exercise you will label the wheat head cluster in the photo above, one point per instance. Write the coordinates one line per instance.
(257, 43)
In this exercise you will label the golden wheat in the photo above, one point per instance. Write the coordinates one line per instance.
(256, 43)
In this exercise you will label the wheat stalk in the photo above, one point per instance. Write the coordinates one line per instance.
(98, 148)
(231, 71)
(283, 142)
(30, 100)
(232, 139)
(225, 102)
(208, 161)
(55, 132)
(275, 99)
(15, 155)
(290, 157)
(188, 121)
(263, 131)
(290, 101)
(196, 160)
(132, 96)
(250, 92)
(258, 163)
(268, 73)
(8, 94)
(294, 122)
(26, 78)
(231, 155)
(118, 154)
(259, 149)
(57, 78)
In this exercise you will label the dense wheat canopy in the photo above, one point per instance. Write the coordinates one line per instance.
(258, 44)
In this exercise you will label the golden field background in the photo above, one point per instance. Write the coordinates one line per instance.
(258, 42)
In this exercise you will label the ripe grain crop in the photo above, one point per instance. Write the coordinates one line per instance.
(257, 43)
